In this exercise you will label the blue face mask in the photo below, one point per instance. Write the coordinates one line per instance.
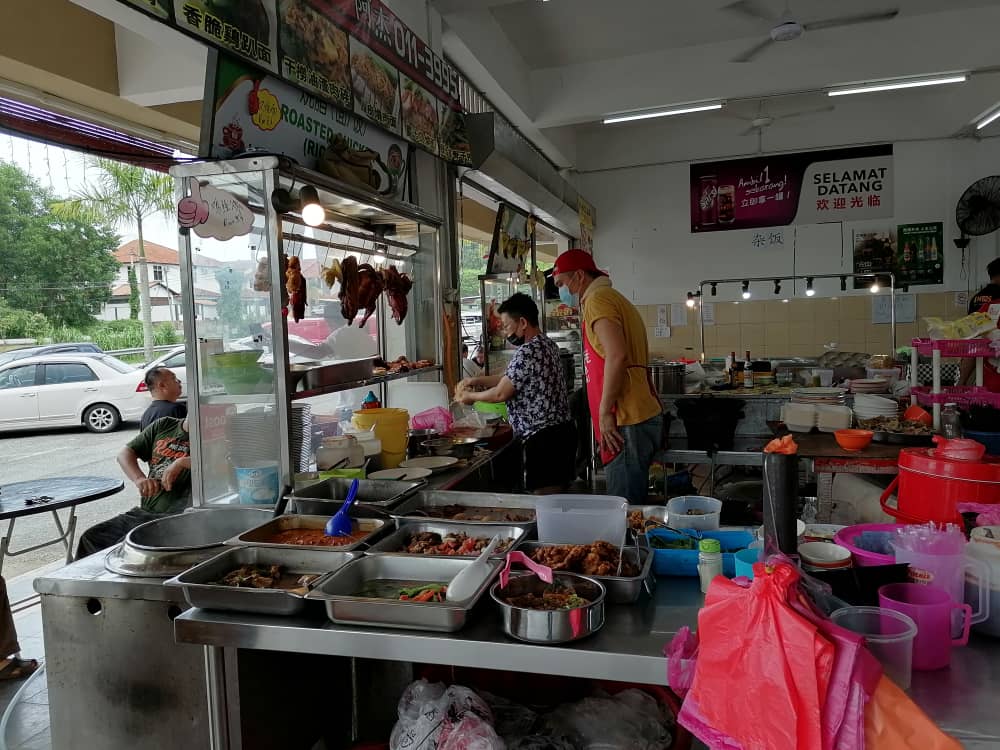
(567, 297)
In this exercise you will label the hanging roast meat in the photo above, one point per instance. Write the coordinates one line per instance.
(370, 286)
(295, 285)
(349, 286)
(397, 286)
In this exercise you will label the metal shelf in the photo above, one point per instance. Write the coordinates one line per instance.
(375, 380)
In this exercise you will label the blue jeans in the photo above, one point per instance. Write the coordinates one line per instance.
(627, 475)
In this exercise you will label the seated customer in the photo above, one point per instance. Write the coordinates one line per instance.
(537, 402)
(12, 666)
(166, 489)
(165, 389)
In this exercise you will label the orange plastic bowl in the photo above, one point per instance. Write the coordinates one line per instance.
(853, 440)
(918, 414)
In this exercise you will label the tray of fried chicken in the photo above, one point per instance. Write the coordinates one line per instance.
(624, 571)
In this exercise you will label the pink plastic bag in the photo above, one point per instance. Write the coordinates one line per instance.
(681, 654)
(437, 418)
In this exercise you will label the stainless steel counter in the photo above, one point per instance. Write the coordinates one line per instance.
(447, 480)
(962, 699)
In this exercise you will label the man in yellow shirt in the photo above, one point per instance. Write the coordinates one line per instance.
(624, 407)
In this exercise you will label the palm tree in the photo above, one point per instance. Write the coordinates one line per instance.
(124, 195)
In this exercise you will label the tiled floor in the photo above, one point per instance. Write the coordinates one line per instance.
(27, 725)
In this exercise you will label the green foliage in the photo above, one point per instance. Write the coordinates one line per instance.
(133, 294)
(117, 334)
(471, 265)
(59, 266)
(22, 324)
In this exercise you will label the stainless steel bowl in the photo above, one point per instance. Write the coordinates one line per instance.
(438, 446)
(463, 447)
(551, 626)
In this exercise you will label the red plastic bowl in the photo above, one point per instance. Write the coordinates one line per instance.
(853, 440)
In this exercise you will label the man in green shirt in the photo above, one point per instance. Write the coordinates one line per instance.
(165, 446)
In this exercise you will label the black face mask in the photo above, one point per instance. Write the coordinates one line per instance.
(515, 340)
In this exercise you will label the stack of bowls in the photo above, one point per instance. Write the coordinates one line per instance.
(817, 556)
(870, 385)
(871, 407)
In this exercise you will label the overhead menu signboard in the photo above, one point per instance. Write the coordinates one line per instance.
(810, 187)
(354, 54)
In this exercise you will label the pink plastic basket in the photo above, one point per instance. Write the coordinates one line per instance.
(962, 396)
(864, 558)
(955, 347)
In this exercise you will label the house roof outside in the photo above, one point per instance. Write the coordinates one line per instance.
(160, 255)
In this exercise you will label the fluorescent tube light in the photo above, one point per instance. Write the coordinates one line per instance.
(628, 116)
(902, 83)
(988, 119)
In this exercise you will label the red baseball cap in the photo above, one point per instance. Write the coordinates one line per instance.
(576, 260)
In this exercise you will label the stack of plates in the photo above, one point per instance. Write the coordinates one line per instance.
(252, 436)
(301, 434)
(870, 385)
(833, 418)
(815, 396)
(870, 407)
(798, 417)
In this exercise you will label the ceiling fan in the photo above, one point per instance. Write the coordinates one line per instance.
(762, 120)
(786, 28)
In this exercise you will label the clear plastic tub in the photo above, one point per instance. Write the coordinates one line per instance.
(706, 520)
(581, 519)
(888, 634)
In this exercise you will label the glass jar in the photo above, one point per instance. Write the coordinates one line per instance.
(951, 424)
(709, 561)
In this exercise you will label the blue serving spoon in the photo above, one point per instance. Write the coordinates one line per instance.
(340, 523)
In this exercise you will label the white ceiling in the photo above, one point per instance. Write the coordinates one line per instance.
(556, 68)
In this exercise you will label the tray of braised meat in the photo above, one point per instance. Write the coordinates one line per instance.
(440, 539)
(600, 560)
(486, 509)
(264, 580)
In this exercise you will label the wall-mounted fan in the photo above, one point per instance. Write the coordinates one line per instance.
(977, 212)
(786, 28)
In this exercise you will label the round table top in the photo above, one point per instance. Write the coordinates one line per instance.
(64, 491)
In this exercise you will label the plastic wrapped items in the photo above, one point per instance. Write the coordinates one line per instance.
(631, 719)
(434, 718)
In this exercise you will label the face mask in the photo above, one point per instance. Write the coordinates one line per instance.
(567, 297)
(515, 340)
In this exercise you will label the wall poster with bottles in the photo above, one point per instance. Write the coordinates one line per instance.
(920, 254)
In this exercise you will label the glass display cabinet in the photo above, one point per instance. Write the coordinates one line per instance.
(264, 368)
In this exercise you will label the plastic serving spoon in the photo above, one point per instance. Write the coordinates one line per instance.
(543, 572)
(464, 585)
(340, 523)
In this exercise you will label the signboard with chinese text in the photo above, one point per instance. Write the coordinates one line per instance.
(848, 184)
(920, 254)
(248, 28)
(587, 220)
(765, 238)
(355, 54)
(257, 111)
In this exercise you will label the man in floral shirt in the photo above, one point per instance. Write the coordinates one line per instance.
(535, 392)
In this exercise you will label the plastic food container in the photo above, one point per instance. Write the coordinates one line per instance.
(707, 519)
(847, 537)
(888, 634)
(931, 486)
(581, 519)
(684, 562)
(987, 551)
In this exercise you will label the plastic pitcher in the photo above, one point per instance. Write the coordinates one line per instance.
(950, 572)
(931, 609)
(888, 635)
(258, 483)
(984, 545)
(391, 428)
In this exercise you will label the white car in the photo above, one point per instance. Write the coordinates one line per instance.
(64, 390)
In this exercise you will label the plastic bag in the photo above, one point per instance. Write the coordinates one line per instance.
(894, 722)
(681, 653)
(436, 418)
(434, 718)
(631, 719)
(510, 719)
(763, 671)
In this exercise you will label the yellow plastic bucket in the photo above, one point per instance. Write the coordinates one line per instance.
(391, 428)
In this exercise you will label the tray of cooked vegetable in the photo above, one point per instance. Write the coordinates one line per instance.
(296, 531)
(264, 580)
(467, 507)
(444, 539)
(396, 591)
(624, 582)
(568, 609)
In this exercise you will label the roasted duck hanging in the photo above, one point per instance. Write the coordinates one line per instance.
(397, 286)
(295, 285)
(370, 287)
(349, 287)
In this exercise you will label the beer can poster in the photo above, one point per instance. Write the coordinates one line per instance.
(920, 254)
(809, 187)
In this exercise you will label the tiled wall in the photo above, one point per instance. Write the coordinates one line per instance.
(799, 327)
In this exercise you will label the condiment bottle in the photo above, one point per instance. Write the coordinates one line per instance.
(709, 561)
(748, 372)
(951, 425)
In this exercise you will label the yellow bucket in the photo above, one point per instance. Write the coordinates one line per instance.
(391, 428)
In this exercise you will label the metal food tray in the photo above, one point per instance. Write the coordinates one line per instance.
(413, 509)
(257, 536)
(201, 592)
(394, 543)
(656, 512)
(312, 377)
(315, 499)
(621, 589)
(338, 592)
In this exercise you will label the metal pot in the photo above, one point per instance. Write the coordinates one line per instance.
(551, 626)
(668, 377)
(415, 439)
(463, 447)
